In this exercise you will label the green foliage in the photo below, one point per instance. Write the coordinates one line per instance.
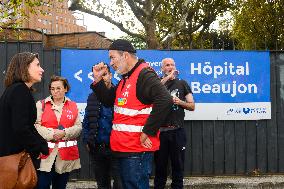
(136, 42)
(13, 12)
(259, 25)
(211, 39)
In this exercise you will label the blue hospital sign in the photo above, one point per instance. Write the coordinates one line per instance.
(226, 85)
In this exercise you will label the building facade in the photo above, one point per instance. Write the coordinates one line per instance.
(55, 18)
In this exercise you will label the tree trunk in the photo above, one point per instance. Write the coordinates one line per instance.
(151, 38)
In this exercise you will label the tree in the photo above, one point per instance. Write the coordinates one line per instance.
(161, 21)
(13, 12)
(213, 39)
(197, 16)
(259, 24)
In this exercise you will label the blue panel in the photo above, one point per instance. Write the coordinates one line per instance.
(215, 76)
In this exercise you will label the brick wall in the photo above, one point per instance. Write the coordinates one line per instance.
(92, 40)
(21, 35)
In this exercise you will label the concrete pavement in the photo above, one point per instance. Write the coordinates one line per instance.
(217, 182)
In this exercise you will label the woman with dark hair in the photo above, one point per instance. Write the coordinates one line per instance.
(59, 124)
(18, 109)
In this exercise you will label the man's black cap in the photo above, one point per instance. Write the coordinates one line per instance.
(122, 45)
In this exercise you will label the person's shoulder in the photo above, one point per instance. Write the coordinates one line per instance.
(67, 99)
(92, 94)
(148, 71)
(182, 81)
(45, 100)
(92, 97)
(18, 88)
(18, 91)
(70, 102)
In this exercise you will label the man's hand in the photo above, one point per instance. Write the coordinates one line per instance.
(171, 76)
(145, 141)
(99, 70)
(88, 148)
(177, 101)
(188, 104)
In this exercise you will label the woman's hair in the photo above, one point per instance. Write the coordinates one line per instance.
(18, 68)
(59, 78)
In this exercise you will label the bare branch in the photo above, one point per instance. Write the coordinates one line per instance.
(75, 5)
(136, 9)
(140, 2)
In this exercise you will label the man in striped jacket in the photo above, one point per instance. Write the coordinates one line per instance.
(141, 104)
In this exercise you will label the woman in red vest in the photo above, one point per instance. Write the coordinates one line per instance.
(58, 122)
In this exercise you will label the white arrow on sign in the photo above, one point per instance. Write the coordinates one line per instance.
(76, 75)
(90, 76)
(116, 76)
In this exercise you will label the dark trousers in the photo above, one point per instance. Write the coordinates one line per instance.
(135, 170)
(58, 181)
(172, 147)
(106, 167)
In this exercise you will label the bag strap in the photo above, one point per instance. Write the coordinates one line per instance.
(42, 105)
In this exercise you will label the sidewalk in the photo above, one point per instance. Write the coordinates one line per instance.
(225, 182)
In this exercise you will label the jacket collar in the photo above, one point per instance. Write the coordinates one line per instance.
(128, 74)
(49, 99)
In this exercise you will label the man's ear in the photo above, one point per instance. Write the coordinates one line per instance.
(127, 55)
(162, 69)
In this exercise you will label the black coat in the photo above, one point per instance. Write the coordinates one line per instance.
(17, 118)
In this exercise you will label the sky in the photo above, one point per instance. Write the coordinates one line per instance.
(94, 23)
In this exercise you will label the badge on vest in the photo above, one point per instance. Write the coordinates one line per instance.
(69, 114)
(121, 101)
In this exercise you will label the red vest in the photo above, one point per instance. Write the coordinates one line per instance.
(130, 116)
(68, 150)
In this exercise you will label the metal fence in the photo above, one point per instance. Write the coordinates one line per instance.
(213, 147)
(49, 59)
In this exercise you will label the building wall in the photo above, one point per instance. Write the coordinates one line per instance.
(56, 18)
(92, 40)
